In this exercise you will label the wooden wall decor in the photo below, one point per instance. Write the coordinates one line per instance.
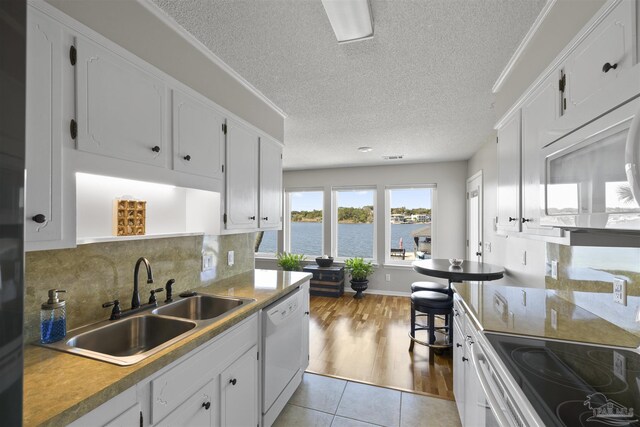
(129, 217)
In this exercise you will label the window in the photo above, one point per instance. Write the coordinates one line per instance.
(409, 218)
(354, 223)
(303, 225)
(266, 243)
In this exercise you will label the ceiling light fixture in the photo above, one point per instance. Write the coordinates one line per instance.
(394, 157)
(350, 19)
(365, 149)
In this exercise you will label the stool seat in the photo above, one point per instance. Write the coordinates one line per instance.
(430, 286)
(425, 300)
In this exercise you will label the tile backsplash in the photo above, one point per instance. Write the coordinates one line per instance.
(586, 275)
(99, 272)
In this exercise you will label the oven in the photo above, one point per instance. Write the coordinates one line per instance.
(591, 177)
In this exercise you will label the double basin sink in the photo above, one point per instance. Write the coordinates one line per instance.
(132, 339)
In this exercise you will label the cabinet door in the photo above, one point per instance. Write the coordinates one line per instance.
(538, 115)
(198, 138)
(306, 306)
(121, 108)
(459, 369)
(509, 175)
(239, 391)
(43, 208)
(270, 184)
(197, 411)
(130, 417)
(610, 43)
(241, 177)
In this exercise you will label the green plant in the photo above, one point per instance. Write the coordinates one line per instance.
(358, 268)
(290, 262)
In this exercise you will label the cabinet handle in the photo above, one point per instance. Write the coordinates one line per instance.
(155, 149)
(464, 359)
(252, 218)
(40, 218)
(187, 158)
(478, 253)
(206, 405)
(266, 218)
(307, 313)
(526, 220)
(606, 67)
(233, 381)
(511, 219)
(458, 345)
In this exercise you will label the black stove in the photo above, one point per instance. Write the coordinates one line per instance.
(572, 384)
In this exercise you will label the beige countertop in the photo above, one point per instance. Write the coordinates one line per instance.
(61, 387)
(538, 313)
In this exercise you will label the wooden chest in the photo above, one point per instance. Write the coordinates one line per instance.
(326, 281)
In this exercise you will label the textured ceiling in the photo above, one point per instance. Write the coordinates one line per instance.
(420, 88)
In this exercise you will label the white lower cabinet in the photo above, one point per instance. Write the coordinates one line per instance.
(197, 411)
(123, 410)
(239, 391)
(460, 358)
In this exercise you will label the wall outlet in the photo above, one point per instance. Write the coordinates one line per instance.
(524, 257)
(524, 298)
(487, 247)
(554, 319)
(619, 366)
(207, 261)
(230, 258)
(554, 270)
(387, 277)
(620, 291)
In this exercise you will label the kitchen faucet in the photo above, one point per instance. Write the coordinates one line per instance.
(135, 299)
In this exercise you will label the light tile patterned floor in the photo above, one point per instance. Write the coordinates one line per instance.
(330, 402)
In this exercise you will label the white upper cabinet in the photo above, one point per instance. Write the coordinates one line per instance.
(602, 56)
(509, 174)
(270, 184)
(198, 137)
(44, 131)
(241, 199)
(121, 108)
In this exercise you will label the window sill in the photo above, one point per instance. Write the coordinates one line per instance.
(397, 265)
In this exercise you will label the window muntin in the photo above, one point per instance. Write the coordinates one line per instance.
(304, 222)
(354, 231)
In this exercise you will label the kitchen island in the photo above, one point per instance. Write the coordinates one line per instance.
(60, 387)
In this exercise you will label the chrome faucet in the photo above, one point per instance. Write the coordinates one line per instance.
(135, 299)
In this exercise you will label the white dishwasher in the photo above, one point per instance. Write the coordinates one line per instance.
(282, 326)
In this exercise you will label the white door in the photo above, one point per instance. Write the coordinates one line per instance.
(198, 137)
(44, 131)
(239, 391)
(121, 108)
(270, 184)
(474, 218)
(509, 174)
(241, 177)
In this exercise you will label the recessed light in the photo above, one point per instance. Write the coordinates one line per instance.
(365, 149)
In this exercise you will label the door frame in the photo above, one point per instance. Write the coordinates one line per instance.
(470, 180)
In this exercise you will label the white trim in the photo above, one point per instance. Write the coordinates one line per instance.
(191, 39)
(380, 292)
(506, 72)
(562, 56)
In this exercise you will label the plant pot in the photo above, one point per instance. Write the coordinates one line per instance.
(359, 286)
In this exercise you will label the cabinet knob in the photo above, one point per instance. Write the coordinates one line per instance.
(266, 218)
(40, 218)
(307, 313)
(607, 66)
(206, 405)
(187, 158)
(511, 219)
(155, 149)
(458, 345)
(464, 359)
(233, 381)
(252, 218)
(478, 253)
(526, 220)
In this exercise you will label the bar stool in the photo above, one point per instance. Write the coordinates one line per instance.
(431, 286)
(431, 304)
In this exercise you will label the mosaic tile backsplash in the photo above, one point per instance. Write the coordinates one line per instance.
(585, 278)
(99, 272)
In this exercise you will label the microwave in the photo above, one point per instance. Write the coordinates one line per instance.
(590, 177)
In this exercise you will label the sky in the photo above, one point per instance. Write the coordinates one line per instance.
(409, 198)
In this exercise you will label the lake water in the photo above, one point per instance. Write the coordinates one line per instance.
(353, 239)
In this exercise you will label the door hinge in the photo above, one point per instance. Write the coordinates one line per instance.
(73, 129)
(224, 128)
(467, 242)
(257, 355)
(141, 419)
(496, 139)
(224, 218)
(562, 83)
(73, 55)
(222, 168)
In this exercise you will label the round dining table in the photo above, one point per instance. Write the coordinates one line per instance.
(469, 270)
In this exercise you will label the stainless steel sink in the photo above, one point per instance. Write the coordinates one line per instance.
(201, 307)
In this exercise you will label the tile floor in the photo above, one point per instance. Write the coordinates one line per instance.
(330, 402)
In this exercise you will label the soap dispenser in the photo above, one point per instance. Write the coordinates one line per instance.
(53, 318)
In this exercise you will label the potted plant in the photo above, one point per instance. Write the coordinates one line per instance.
(359, 270)
(290, 262)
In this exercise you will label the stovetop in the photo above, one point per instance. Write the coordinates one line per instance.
(572, 384)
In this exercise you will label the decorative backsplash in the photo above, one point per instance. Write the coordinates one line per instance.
(95, 273)
(585, 278)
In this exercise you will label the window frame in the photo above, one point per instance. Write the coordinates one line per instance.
(286, 227)
(334, 220)
(393, 261)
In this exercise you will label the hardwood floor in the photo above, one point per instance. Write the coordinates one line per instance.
(366, 340)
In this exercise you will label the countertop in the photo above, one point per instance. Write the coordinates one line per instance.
(61, 387)
(530, 311)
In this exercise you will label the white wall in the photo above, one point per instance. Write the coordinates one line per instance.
(505, 250)
(449, 220)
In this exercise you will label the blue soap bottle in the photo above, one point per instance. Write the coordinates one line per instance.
(53, 318)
